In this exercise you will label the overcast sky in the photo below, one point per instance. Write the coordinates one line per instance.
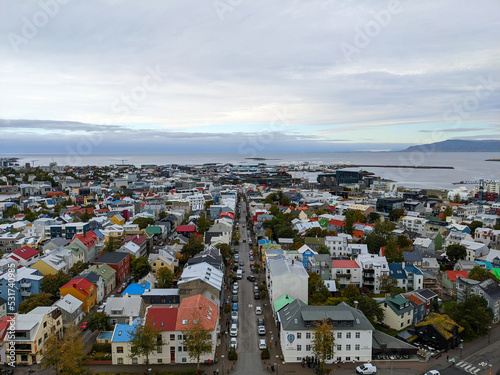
(225, 75)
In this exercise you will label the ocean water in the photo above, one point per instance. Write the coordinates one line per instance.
(467, 165)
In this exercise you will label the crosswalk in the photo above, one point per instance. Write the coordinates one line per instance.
(468, 367)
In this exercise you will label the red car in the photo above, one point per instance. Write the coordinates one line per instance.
(84, 325)
(120, 289)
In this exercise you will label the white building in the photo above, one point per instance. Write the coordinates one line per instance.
(373, 267)
(337, 245)
(353, 332)
(414, 224)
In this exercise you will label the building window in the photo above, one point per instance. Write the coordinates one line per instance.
(299, 348)
(348, 335)
(348, 347)
(179, 337)
(184, 360)
(308, 348)
(135, 361)
(339, 348)
(339, 335)
(172, 337)
(358, 335)
(160, 360)
(299, 335)
(120, 361)
(119, 349)
(347, 358)
(356, 347)
(159, 349)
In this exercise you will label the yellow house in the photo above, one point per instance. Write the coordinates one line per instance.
(47, 267)
(117, 219)
(162, 259)
(83, 290)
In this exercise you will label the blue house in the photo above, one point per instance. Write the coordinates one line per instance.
(137, 289)
(27, 282)
(307, 253)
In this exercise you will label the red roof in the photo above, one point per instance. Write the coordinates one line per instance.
(88, 239)
(162, 318)
(344, 264)
(337, 223)
(453, 275)
(413, 298)
(25, 252)
(229, 214)
(186, 228)
(80, 284)
(197, 308)
(137, 239)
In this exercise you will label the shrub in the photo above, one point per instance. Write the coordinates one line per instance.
(265, 354)
(232, 355)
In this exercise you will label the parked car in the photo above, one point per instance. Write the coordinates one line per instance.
(251, 278)
(262, 344)
(261, 330)
(256, 296)
(235, 299)
(260, 322)
(235, 291)
(233, 343)
(366, 368)
(258, 310)
(233, 331)
(120, 289)
(84, 325)
(242, 263)
(432, 372)
(234, 315)
(235, 285)
(235, 307)
(255, 289)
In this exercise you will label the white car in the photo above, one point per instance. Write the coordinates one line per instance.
(366, 368)
(233, 343)
(262, 330)
(432, 372)
(262, 344)
(233, 331)
(258, 310)
(234, 315)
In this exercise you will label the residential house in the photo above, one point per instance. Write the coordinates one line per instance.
(27, 281)
(120, 262)
(360, 230)
(336, 226)
(373, 267)
(337, 245)
(413, 224)
(346, 272)
(8, 241)
(90, 243)
(413, 257)
(398, 312)
(440, 332)
(321, 264)
(314, 242)
(117, 219)
(306, 254)
(144, 244)
(120, 309)
(353, 331)
(51, 264)
(455, 238)
(83, 290)
(355, 249)
(210, 255)
(475, 249)
(98, 281)
(218, 233)
(418, 308)
(426, 296)
(71, 308)
(201, 278)
(162, 296)
(163, 258)
(488, 289)
(285, 276)
(422, 245)
(107, 273)
(408, 276)
(24, 256)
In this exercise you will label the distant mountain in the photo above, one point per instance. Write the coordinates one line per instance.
(458, 145)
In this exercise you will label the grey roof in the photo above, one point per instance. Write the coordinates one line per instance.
(279, 267)
(322, 257)
(59, 241)
(426, 293)
(491, 288)
(412, 256)
(69, 303)
(161, 292)
(114, 257)
(382, 340)
(127, 306)
(294, 316)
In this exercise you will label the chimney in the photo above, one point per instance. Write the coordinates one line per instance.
(356, 304)
(74, 285)
(130, 320)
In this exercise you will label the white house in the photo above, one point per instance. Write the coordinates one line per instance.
(414, 224)
(337, 245)
(372, 268)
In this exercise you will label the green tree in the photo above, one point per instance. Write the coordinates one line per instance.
(225, 250)
(373, 217)
(191, 249)
(140, 267)
(392, 253)
(143, 340)
(318, 292)
(77, 268)
(110, 245)
(456, 252)
(144, 222)
(203, 224)
(197, 341)
(474, 225)
(274, 210)
(164, 278)
(374, 242)
(99, 321)
(34, 301)
(66, 354)
(387, 283)
(481, 274)
(395, 214)
(323, 249)
(448, 211)
(52, 283)
(350, 291)
(371, 308)
(384, 228)
(404, 243)
(323, 342)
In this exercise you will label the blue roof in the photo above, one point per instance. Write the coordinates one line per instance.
(396, 271)
(123, 332)
(98, 233)
(264, 241)
(485, 264)
(412, 268)
(137, 289)
(106, 335)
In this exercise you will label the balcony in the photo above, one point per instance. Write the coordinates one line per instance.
(345, 275)
(25, 285)
(25, 293)
(369, 278)
(369, 271)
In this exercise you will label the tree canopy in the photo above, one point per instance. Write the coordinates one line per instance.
(323, 342)
(395, 214)
(140, 267)
(481, 274)
(318, 292)
(374, 242)
(197, 341)
(99, 321)
(52, 283)
(392, 253)
(143, 340)
(164, 278)
(34, 301)
(144, 222)
(456, 252)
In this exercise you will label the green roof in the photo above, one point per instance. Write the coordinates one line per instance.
(443, 324)
(281, 302)
(103, 270)
(323, 223)
(154, 229)
(496, 272)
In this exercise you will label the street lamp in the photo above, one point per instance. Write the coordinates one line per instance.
(489, 334)
(222, 358)
(277, 364)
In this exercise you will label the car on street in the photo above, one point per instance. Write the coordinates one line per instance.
(366, 369)
(251, 278)
(235, 290)
(262, 344)
(252, 268)
(84, 325)
(255, 289)
(235, 307)
(432, 372)
(261, 330)
(233, 331)
(235, 285)
(251, 257)
(260, 322)
(234, 315)
(256, 296)
(258, 310)
(242, 263)
(120, 289)
(235, 299)
(233, 343)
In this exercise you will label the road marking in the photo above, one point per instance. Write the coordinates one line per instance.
(467, 367)
(250, 305)
(476, 371)
(461, 363)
